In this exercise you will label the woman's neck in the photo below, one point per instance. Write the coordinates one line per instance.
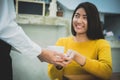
(81, 38)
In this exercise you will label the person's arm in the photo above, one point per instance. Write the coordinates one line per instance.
(102, 67)
(14, 35)
(51, 57)
(80, 59)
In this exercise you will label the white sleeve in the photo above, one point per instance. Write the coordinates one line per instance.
(12, 33)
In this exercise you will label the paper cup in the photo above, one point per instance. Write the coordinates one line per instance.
(59, 49)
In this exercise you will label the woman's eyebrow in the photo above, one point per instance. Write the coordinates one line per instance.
(77, 14)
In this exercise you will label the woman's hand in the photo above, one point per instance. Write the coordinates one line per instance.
(80, 59)
(67, 60)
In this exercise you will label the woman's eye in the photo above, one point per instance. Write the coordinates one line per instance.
(76, 16)
(85, 17)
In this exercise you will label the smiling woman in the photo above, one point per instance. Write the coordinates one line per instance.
(90, 51)
(80, 21)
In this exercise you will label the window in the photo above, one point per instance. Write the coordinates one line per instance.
(30, 7)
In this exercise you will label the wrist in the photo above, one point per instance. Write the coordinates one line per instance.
(41, 55)
(83, 61)
(80, 59)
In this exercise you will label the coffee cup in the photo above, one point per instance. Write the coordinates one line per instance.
(59, 49)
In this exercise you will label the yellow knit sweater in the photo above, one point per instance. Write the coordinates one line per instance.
(98, 59)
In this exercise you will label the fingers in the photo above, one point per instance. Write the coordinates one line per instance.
(61, 59)
(61, 55)
(70, 54)
(53, 57)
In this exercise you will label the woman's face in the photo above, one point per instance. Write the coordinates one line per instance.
(80, 21)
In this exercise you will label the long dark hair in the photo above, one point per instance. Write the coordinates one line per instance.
(94, 30)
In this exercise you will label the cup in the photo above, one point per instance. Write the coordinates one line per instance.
(59, 49)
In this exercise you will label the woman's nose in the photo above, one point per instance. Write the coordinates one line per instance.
(79, 20)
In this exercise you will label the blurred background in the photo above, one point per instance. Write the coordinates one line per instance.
(35, 17)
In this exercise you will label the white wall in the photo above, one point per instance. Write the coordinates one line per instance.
(25, 68)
